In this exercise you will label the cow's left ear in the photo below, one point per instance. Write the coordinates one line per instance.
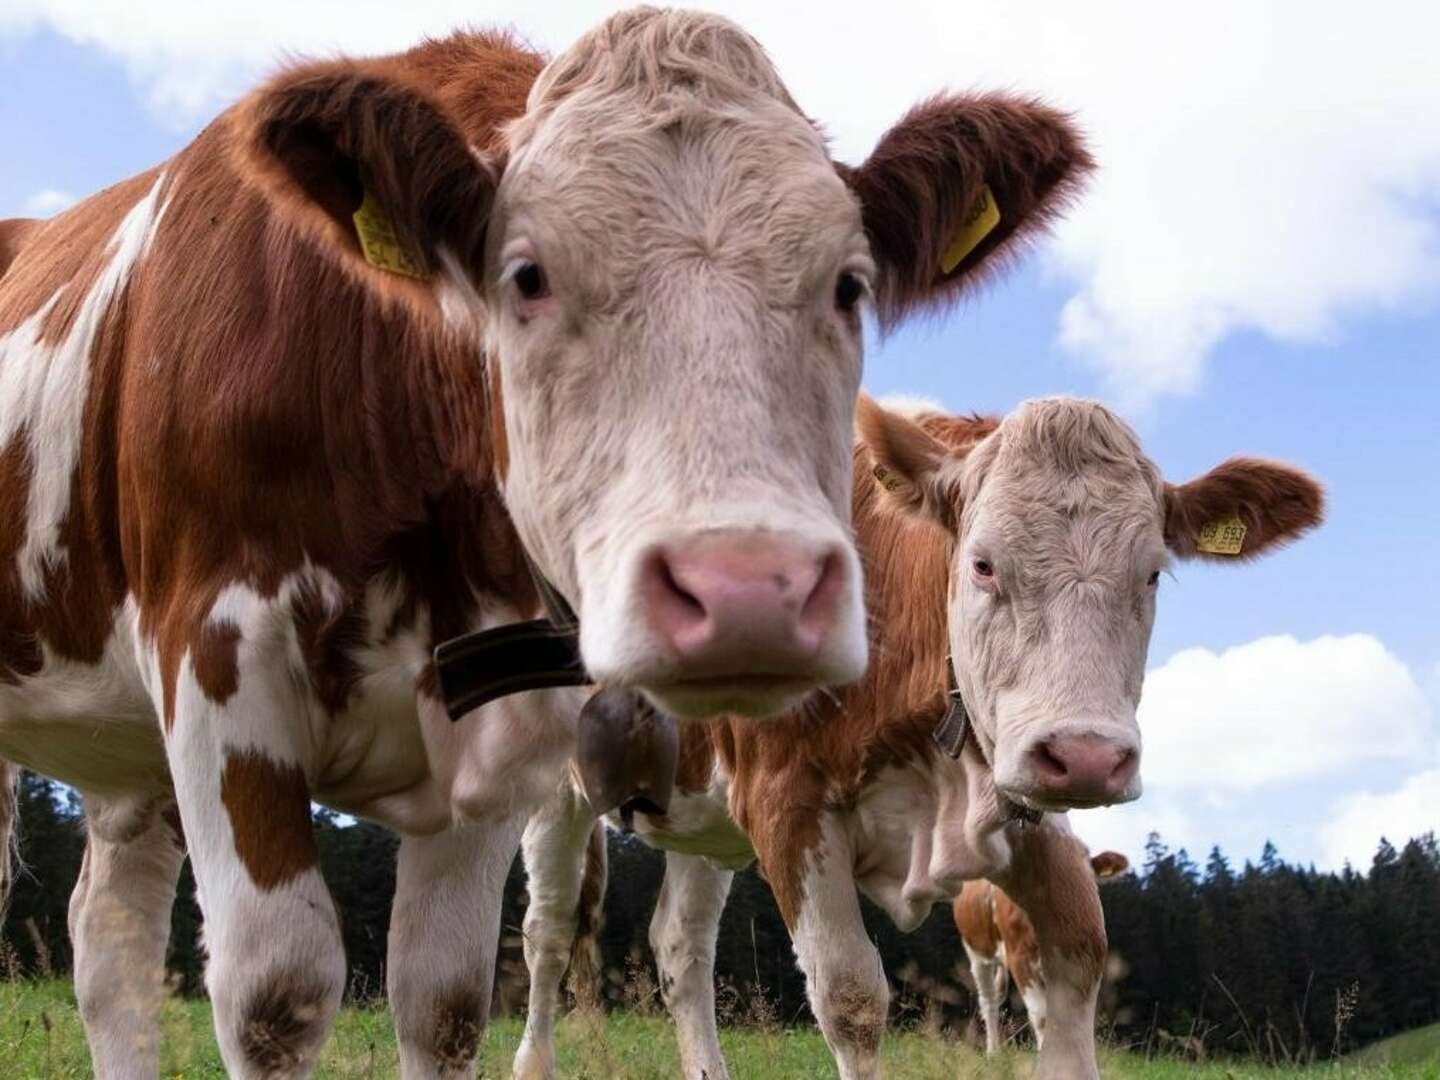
(1240, 509)
(956, 186)
(376, 164)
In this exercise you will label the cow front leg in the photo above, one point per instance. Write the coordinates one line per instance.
(682, 936)
(119, 929)
(565, 866)
(276, 966)
(1050, 877)
(991, 983)
(444, 933)
(843, 975)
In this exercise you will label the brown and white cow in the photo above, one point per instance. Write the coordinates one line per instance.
(285, 411)
(1000, 943)
(1027, 552)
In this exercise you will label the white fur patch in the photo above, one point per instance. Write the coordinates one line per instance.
(43, 390)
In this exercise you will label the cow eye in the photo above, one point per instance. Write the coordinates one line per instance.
(1154, 579)
(983, 568)
(848, 291)
(531, 281)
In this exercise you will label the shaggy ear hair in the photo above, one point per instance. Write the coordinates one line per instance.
(1275, 503)
(925, 187)
(907, 462)
(340, 133)
(1109, 864)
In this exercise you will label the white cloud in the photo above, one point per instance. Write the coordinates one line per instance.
(1269, 167)
(1278, 710)
(1411, 809)
(45, 203)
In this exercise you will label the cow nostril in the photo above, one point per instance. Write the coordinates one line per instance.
(677, 592)
(1049, 763)
(1128, 765)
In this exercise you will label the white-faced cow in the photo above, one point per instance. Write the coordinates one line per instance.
(1000, 943)
(282, 413)
(1025, 555)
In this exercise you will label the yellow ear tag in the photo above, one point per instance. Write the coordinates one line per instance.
(982, 220)
(888, 480)
(381, 244)
(1222, 537)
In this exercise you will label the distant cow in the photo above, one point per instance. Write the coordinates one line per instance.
(1027, 551)
(999, 940)
(282, 413)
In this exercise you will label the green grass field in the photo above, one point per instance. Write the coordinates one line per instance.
(41, 1039)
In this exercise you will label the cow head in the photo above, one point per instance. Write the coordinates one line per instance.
(1062, 529)
(666, 272)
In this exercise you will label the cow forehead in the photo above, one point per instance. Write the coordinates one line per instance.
(1062, 472)
(761, 171)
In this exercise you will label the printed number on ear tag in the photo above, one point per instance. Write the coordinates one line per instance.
(1223, 537)
(981, 222)
(381, 243)
(888, 480)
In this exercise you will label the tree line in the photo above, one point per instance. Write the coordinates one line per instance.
(1270, 959)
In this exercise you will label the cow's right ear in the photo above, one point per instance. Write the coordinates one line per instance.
(908, 462)
(379, 164)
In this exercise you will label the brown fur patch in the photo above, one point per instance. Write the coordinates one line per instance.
(213, 657)
(1277, 503)
(269, 808)
(459, 1023)
(328, 640)
(974, 911)
(696, 763)
(857, 1015)
(1050, 877)
(280, 1024)
(1022, 948)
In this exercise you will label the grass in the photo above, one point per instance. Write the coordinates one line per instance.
(1418, 1047)
(41, 1038)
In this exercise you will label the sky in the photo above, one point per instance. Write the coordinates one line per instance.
(1255, 269)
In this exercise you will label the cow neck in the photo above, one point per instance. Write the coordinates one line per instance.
(951, 735)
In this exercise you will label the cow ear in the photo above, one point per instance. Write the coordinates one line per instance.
(392, 179)
(1109, 864)
(907, 462)
(1240, 509)
(957, 186)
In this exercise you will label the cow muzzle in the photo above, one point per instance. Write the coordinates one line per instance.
(749, 621)
(1075, 772)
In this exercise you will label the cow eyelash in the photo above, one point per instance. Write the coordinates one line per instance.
(1154, 579)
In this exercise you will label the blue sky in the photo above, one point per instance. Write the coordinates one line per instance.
(1243, 278)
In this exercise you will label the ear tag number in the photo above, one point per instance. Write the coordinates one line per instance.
(888, 480)
(1223, 537)
(981, 222)
(381, 244)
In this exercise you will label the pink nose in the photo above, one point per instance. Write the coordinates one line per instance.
(1084, 768)
(746, 604)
